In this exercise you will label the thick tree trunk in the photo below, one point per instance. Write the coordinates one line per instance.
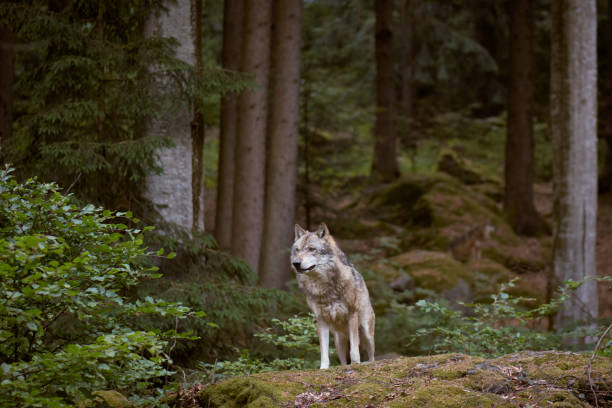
(197, 126)
(7, 72)
(605, 181)
(231, 56)
(283, 132)
(250, 154)
(407, 58)
(518, 199)
(574, 135)
(171, 191)
(384, 164)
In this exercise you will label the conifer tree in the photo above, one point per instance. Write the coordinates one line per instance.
(573, 96)
(281, 169)
(250, 153)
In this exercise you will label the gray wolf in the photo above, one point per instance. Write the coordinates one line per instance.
(335, 292)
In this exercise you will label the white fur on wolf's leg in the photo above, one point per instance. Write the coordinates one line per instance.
(323, 331)
(369, 340)
(354, 338)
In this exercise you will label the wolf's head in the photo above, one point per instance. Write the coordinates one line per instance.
(311, 250)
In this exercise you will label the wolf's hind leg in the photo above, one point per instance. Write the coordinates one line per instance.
(353, 322)
(342, 347)
(367, 324)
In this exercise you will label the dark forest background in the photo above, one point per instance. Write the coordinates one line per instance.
(459, 152)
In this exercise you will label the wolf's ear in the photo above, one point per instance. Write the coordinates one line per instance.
(322, 232)
(299, 231)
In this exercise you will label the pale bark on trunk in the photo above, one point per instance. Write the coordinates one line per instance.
(197, 126)
(605, 180)
(518, 198)
(574, 135)
(7, 72)
(231, 56)
(171, 191)
(384, 164)
(283, 132)
(250, 153)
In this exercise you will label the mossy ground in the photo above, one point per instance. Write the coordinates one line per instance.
(526, 379)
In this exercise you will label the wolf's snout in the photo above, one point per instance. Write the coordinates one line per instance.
(297, 265)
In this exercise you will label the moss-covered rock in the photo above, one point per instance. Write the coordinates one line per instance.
(459, 167)
(555, 379)
(429, 269)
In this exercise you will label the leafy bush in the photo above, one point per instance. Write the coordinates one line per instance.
(296, 337)
(64, 271)
(496, 328)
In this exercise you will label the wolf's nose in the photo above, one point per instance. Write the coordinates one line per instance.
(297, 265)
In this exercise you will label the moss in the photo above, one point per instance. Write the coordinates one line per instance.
(461, 168)
(452, 380)
(241, 392)
(444, 395)
(110, 398)
(431, 270)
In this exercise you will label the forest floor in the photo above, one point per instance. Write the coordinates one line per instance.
(526, 379)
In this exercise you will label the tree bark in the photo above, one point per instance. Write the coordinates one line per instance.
(7, 72)
(518, 198)
(605, 180)
(197, 126)
(171, 191)
(384, 164)
(406, 31)
(281, 172)
(250, 153)
(573, 129)
(231, 56)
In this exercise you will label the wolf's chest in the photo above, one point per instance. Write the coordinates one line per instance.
(334, 313)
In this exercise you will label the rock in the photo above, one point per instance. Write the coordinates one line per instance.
(450, 380)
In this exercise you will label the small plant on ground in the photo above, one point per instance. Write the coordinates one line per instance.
(296, 338)
(492, 329)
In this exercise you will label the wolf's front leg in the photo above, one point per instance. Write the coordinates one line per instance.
(354, 337)
(323, 330)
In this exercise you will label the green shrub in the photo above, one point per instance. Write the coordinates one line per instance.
(65, 330)
(295, 338)
(499, 327)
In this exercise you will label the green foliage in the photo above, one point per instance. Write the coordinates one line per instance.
(496, 328)
(66, 329)
(87, 83)
(296, 337)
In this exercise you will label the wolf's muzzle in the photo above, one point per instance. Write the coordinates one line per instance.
(298, 267)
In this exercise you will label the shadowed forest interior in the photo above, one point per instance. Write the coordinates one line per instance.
(157, 154)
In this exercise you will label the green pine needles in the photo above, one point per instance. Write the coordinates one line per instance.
(87, 82)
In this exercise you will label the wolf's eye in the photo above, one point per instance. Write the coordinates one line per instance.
(311, 249)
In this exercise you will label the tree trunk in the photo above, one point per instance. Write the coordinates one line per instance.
(283, 134)
(574, 135)
(605, 180)
(7, 72)
(197, 126)
(250, 153)
(231, 56)
(518, 198)
(384, 164)
(171, 191)
(406, 31)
